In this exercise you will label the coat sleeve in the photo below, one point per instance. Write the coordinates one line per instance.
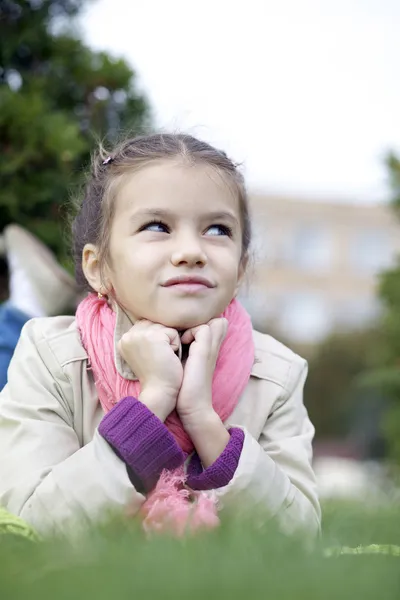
(274, 476)
(46, 477)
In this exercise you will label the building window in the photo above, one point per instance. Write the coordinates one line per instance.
(310, 248)
(371, 251)
(305, 317)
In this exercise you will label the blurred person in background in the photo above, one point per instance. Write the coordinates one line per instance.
(38, 287)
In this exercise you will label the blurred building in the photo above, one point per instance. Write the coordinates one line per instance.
(316, 265)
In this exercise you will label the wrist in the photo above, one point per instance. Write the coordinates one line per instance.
(208, 434)
(200, 420)
(138, 438)
(158, 401)
(220, 472)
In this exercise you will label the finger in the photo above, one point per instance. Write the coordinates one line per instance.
(190, 334)
(219, 328)
(173, 338)
(150, 326)
(202, 340)
(195, 334)
(187, 337)
(162, 333)
(219, 323)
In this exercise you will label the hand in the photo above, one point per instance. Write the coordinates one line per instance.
(149, 349)
(194, 403)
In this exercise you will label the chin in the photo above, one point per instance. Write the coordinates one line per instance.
(183, 322)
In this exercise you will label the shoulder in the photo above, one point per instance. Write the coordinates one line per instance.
(58, 336)
(273, 361)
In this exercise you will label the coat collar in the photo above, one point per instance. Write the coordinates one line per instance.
(122, 326)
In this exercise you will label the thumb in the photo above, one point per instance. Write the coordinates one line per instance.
(224, 327)
(219, 328)
(119, 348)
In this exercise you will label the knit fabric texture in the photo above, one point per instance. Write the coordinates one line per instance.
(141, 440)
(222, 470)
(147, 447)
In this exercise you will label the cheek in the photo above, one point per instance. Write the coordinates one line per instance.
(132, 264)
(230, 264)
(118, 265)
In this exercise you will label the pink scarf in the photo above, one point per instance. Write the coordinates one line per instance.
(96, 323)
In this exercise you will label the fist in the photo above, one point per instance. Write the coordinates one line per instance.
(195, 396)
(150, 351)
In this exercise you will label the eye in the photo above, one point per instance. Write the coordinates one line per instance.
(218, 230)
(156, 227)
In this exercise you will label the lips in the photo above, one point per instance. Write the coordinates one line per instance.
(188, 280)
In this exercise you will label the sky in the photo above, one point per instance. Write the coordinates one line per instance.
(304, 93)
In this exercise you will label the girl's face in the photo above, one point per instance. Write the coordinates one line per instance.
(175, 247)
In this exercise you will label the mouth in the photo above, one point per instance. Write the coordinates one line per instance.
(187, 283)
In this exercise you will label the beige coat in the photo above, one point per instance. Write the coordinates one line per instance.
(55, 468)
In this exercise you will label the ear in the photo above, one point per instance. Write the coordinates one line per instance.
(244, 261)
(91, 268)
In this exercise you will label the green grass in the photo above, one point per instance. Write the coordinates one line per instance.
(235, 561)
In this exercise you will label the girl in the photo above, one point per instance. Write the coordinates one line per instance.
(158, 398)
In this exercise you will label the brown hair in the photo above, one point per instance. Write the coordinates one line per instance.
(92, 223)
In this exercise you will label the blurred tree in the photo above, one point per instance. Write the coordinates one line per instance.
(353, 387)
(57, 97)
(387, 376)
(337, 407)
(393, 165)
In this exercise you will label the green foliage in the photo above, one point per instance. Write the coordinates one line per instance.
(358, 373)
(57, 98)
(331, 393)
(385, 375)
(393, 165)
(235, 561)
(388, 375)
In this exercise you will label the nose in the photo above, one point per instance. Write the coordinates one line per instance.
(188, 251)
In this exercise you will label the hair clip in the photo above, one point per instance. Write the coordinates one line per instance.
(107, 160)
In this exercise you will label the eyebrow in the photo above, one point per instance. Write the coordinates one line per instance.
(155, 212)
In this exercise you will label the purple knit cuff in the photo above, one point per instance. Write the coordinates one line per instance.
(141, 440)
(222, 470)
